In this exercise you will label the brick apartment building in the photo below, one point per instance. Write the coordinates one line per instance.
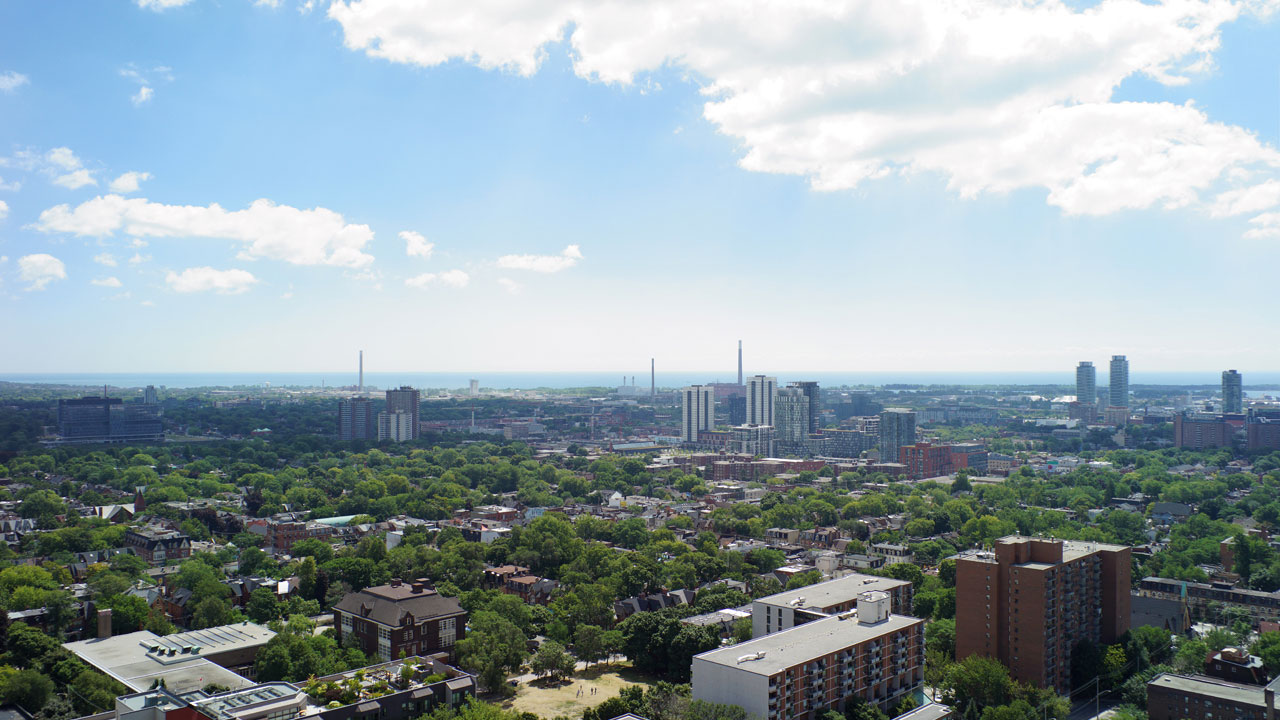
(925, 460)
(157, 544)
(1202, 432)
(1178, 697)
(791, 608)
(1031, 600)
(409, 618)
(283, 533)
(801, 672)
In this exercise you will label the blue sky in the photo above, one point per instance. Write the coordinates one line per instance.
(981, 187)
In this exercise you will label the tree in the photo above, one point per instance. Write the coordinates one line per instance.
(976, 682)
(128, 613)
(28, 688)
(552, 661)
(1267, 647)
(493, 647)
(263, 607)
(211, 612)
(588, 643)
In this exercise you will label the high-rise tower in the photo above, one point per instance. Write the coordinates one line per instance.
(698, 411)
(810, 390)
(1119, 396)
(897, 428)
(405, 400)
(791, 418)
(1232, 392)
(760, 393)
(1086, 382)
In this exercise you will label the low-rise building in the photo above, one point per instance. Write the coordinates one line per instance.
(156, 544)
(798, 674)
(790, 608)
(1180, 697)
(401, 617)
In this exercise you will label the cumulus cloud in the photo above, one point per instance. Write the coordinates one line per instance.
(991, 95)
(1266, 225)
(111, 282)
(415, 245)
(10, 81)
(543, 263)
(142, 96)
(75, 179)
(128, 182)
(39, 270)
(452, 278)
(204, 279)
(105, 258)
(266, 230)
(64, 167)
(15, 185)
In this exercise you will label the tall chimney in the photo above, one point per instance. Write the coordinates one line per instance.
(739, 362)
(362, 371)
(104, 623)
(653, 380)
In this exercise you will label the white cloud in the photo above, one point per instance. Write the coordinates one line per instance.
(105, 259)
(273, 4)
(10, 81)
(4, 209)
(306, 7)
(991, 95)
(452, 278)
(39, 270)
(303, 237)
(128, 182)
(63, 157)
(542, 263)
(1247, 199)
(15, 185)
(1267, 226)
(204, 279)
(75, 179)
(111, 282)
(415, 245)
(139, 258)
(511, 286)
(142, 96)
(159, 5)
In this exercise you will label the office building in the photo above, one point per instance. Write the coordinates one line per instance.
(791, 420)
(406, 400)
(474, 388)
(787, 609)
(801, 673)
(761, 392)
(697, 412)
(752, 440)
(395, 426)
(1086, 382)
(970, 456)
(150, 396)
(402, 617)
(108, 420)
(1201, 432)
(1178, 697)
(356, 420)
(897, 428)
(1031, 600)
(1232, 392)
(810, 390)
(1119, 396)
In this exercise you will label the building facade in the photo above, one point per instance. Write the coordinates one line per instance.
(405, 399)
(897, 428)
(1119, 394)
(811, 391)
(157, 544)
(925, 460)
(356, 420)
(1201, 432)
(1232, 392)
(401, 617)
(1086, 382)
(697, 412)
(801, 673)
(108, 420)
(1031, 600)
(761, 391)
(790, 608)
(752, 440)
(791, 420)
(395, 426)
(1183, 697)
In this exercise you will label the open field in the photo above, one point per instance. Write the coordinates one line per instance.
(562, 699)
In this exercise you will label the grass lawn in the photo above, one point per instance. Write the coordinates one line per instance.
(549, 701)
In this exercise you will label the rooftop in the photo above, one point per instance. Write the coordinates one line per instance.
(138, 659)
(832, 592)
(771, 654)
(1211, 687)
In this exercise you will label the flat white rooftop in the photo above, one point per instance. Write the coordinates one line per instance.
(139, 659)
(832, 592)
(802, 643)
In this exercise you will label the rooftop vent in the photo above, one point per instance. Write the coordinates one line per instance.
(751, 656)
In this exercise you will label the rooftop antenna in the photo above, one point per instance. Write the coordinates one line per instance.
(739, 362)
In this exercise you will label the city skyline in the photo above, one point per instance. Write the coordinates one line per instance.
(270, 173)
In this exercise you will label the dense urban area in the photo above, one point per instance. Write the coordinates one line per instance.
(757, 549)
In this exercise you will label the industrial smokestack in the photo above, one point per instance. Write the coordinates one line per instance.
(361, 386)
(739, 362)
(653, 380)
